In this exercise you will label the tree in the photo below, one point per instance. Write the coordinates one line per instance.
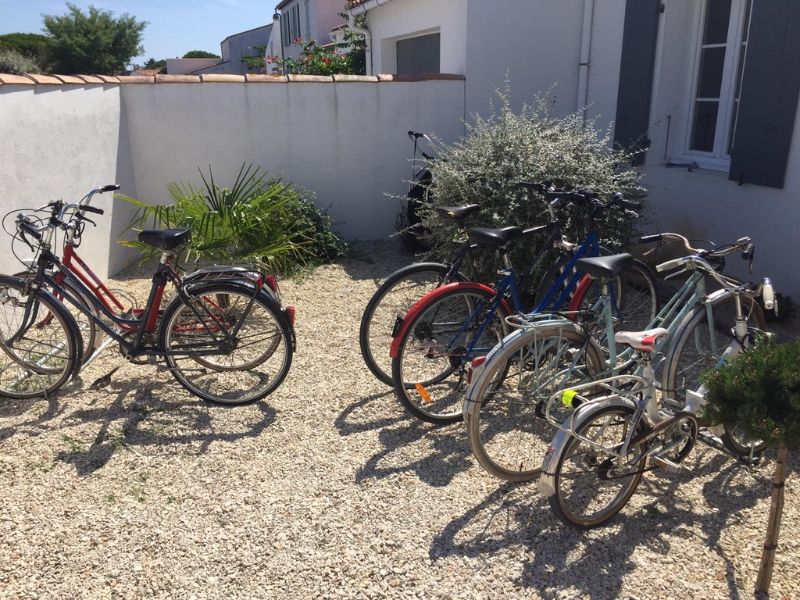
(152, 63)
(92, 42)
(200, 54)
(32, 45)
(760, 392)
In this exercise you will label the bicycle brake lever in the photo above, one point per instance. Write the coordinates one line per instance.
(90, 221)
(676, 273)
(25, 239)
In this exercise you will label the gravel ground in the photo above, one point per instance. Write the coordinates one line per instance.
(328, 489)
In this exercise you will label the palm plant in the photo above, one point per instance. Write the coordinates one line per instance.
(257, 219)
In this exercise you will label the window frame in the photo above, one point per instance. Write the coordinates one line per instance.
(719, 159)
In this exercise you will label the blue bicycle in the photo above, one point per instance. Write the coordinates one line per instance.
(448, 327)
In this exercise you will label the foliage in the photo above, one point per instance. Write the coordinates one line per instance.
(152, 63)
(256, 62)
(92, 42)
(200, 54)
(760, 391)
(15, 63)
(347, 58)
(258, 219)
(30, 45)
(531, 145)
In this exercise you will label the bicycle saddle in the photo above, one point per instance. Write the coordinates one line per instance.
(605, 267)
(165, 239)
(644, 341)
(458, 213)
(494, 237)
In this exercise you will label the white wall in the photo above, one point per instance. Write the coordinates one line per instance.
(58, 142)
(344, 141)
(535, 44)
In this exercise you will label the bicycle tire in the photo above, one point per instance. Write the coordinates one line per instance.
(90, 333)
(448, 394)
(369, 341)
(508, 437)
(23, 362)
(263, 316)
(558, 502)
(682, 371)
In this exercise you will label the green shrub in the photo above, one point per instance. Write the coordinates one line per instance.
(760, 392)
(15, 63)
(531, 145)
(259, 219)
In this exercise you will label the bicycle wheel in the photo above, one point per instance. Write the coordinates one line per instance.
(90, 333)
(429, 369)
(694, 352)
(506, 425)
(389, 302)
(40, 351)
(591, 487)
(240, 371)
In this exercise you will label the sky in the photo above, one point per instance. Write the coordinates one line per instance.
(174, 26)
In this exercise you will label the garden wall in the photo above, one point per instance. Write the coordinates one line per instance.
(343, 138)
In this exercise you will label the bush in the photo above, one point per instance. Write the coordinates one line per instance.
(15, 63)
(259, 219)
(759, 391)
(529, 146)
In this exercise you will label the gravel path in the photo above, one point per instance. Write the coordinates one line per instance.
(328, 489)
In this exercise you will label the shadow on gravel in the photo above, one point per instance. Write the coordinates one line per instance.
(33, 426)
(149, 421)
(376, 260)
(435, 454)
(556, 558)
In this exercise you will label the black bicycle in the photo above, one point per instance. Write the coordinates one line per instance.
(224, 335)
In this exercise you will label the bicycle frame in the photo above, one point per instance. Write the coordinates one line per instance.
(508, 285)
(147, 323)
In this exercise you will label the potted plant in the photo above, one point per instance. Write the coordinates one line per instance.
(760, 392)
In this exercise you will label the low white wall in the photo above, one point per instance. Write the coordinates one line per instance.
(58, 142)
(345, 141)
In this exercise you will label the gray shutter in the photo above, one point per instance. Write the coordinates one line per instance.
(770, 87)
(636, 75)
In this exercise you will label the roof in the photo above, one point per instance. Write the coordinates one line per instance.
(283, 3)
(268, 26)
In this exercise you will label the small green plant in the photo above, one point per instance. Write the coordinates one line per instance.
(530, 145)
(15, 63)
(258, 219)
(75, 445)
(760, 392)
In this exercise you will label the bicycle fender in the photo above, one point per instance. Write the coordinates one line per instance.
(547, 480)
(432, 296)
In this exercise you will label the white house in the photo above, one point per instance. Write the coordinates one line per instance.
(304, 19)
(708, 87)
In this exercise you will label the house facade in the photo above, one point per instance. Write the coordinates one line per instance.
(307, 20)
(709, 88)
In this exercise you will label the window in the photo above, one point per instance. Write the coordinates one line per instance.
(290, 25)
(717, 81)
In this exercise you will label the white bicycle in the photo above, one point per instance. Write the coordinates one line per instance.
(618, 431)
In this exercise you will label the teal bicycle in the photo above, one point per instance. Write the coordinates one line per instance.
(506, 397)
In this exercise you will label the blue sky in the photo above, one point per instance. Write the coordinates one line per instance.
(174, 26)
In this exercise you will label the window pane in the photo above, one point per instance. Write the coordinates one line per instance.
(712, 61)
(705, 126)
(717, 18)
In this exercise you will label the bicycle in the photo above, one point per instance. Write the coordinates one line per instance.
(598, 456)
(218, 350)
(433, 344)
(506, 425)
